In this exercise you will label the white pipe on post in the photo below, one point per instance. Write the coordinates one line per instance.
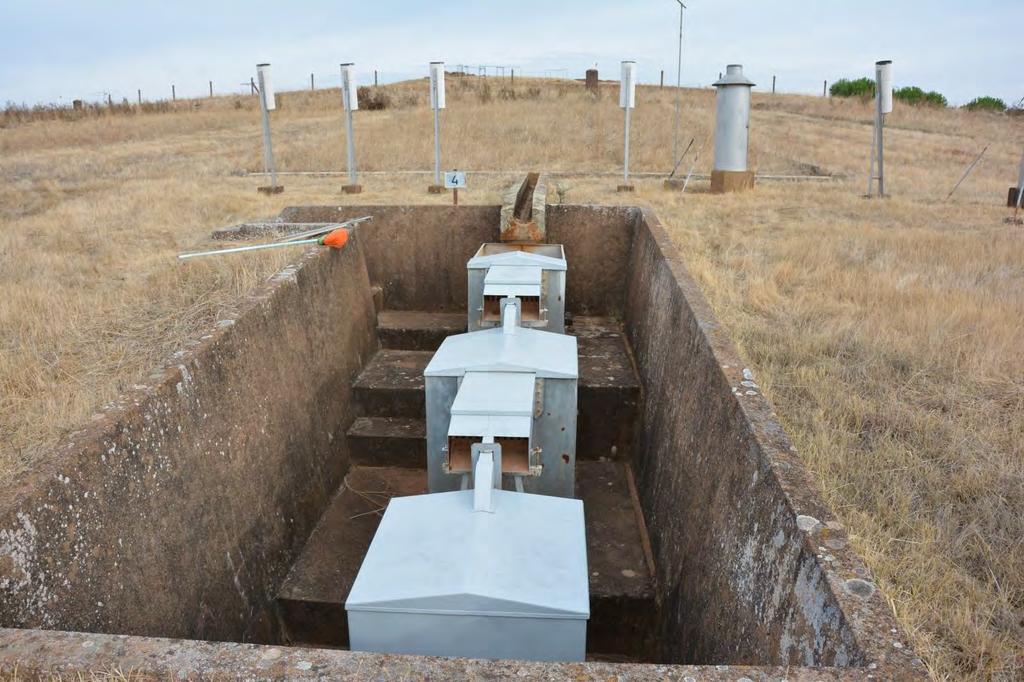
(437, 102)
(350, 100)
(627, 100)
(267, 104)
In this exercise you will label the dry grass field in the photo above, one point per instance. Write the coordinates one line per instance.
(887, 333)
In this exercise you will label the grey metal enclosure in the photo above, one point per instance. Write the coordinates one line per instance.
(441, 579)
(518, 390)
(534, 273)
(732, 120)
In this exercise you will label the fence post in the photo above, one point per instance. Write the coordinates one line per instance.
(211, 88)
(174, 95)
(312, 84)
(252, 85)
(140, 96)
(662, 86)
(773, 85)
(375, 78)
(824, 89)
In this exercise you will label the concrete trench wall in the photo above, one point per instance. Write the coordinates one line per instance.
(141, 526)
(177, 512)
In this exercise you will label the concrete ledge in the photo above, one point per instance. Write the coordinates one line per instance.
(41, 653)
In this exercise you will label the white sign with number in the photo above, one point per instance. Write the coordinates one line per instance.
(455, 180)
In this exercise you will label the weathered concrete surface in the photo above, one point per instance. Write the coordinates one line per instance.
(597, 243)
(417, 254)
(752, 567)
(41, 653)
(417, 330)
(609, 390)
(177, 512)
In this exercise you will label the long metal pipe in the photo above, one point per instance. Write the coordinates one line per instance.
(679, 87)
(625, 165)
(351, 147)
(437, 146)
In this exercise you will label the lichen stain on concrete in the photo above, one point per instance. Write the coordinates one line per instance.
(18, 551)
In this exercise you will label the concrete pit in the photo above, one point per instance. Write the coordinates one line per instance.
(232, 498)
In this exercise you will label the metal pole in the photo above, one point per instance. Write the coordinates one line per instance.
(824, 89)
(966, 173)
(211, 88)
(174, 95)
(255, 247)
(268, 149)
(140, 95)
(375, 78)
(679, 84)
(625, 165)
(881, 147)
(773, 85)
(874, 144)
(312, 84)
(437, 146)
(351, 148)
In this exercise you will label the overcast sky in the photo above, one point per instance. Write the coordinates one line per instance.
(58, 51)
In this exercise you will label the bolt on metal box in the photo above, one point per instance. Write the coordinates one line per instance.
(441, 579)
(534, 273)
(517, 390)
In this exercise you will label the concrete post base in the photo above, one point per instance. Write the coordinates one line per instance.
(270, 189)
(731, 181)
(436, 189)
(352, 189)
(626, 188)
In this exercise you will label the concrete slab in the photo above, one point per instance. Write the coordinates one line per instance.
(388, 442)
(312, 599)
(391, 384)
(417, 330)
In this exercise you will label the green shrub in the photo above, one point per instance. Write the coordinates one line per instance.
(914, 95)
(861, 87)
(986, 103)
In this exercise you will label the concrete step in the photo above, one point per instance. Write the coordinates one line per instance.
(391, 384)
(312, 599)
(388, 442)
(417, 330)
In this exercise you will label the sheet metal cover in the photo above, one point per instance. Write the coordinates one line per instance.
(493, 404)
(433, 554)
(548, 355)
(516, 258)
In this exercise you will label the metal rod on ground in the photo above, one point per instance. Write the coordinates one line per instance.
(683, 156)
(323, 229)
(967, 172)
(693, 165)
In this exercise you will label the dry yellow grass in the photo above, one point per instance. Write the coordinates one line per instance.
(888, 333)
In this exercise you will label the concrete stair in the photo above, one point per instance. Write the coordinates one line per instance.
(388, 454)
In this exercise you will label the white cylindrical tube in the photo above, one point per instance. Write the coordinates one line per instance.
(883, 81)
(627, 87)
(732, 120)
(349, 89)
(437, 85)
(266, 87)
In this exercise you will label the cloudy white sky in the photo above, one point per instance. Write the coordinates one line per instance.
(54, 51)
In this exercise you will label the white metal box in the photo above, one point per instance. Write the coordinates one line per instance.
(534, 273)
(520, 390)
(442, 580)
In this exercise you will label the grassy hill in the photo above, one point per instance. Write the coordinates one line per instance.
(887, 333)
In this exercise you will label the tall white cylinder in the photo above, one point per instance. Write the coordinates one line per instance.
(627, 87)
(732, 120)
(349, 89)
(266, 87)
(883, 81)
(437, 85)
